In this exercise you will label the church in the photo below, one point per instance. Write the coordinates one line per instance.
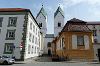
(58, 25)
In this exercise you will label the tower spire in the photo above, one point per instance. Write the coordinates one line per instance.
(42, 4)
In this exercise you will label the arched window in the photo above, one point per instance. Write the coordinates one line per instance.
(49, 44)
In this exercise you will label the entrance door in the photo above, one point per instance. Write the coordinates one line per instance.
(49, 52)
(99, 54)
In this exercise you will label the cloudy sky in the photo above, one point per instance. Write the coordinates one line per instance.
(88, 10)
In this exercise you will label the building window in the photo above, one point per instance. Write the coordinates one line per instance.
(40, 24)
(49, 44)
(35, 49)
(36, 40)
(33, 28)
(60, 43)
(9, 47)
(36, 31)
(59, 24)
(10, 34)
(33, 39)
(31, 25)
(32, 49)
(63, 46)
(80, 40)
(1, 20)
(95, 41)
(30, 35)
(12, 21)
(29, 48)
(94, 32)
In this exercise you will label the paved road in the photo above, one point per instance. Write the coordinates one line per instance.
(45, 61)
(55, 64)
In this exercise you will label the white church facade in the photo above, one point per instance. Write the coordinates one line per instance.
(58, 25)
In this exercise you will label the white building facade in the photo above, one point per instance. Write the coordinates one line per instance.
(95, 27)
(58, 25)
(19, 34)
(42, 20)
(48, 39)
(58, 21)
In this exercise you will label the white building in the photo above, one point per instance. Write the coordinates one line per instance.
(19, 33)
(95, 27)
(58, 25)
(48, 39)
(58, 21)
(42, 20)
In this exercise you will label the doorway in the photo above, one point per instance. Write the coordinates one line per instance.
(99, 54)
(49, 52)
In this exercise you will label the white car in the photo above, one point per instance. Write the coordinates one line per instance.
(6, 60)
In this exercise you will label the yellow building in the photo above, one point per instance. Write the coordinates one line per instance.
(74, 41)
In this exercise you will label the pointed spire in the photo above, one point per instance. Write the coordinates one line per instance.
(42, 11)
(59, 10)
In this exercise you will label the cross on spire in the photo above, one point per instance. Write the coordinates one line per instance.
(42, 4)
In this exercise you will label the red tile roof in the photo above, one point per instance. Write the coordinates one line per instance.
(12, 9)
(76, 25)
(18, 10)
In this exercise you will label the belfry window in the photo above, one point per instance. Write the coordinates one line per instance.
(40, 24)
(59, 24)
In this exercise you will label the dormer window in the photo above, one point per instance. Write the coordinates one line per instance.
(59, 24)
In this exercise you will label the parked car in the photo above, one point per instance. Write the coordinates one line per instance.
(6, 60)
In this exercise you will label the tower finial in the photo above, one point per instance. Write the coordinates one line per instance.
(42, 4)
(59, 4)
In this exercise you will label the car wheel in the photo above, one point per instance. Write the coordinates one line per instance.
(5, 62)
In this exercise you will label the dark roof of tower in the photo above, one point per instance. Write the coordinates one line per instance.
(43, 12)
(59, 10)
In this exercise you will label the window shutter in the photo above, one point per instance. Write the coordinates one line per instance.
(74, 42)
(86, 42)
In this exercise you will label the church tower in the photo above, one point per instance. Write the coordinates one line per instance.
(42, 20)
(58, 21)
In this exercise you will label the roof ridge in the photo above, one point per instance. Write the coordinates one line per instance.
(42, 11)
(59, 10)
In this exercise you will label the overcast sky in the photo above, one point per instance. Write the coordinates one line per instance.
(88, 10)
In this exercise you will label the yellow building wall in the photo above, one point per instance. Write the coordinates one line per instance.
(80, 52)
